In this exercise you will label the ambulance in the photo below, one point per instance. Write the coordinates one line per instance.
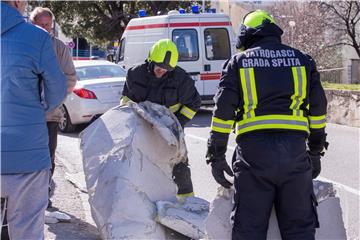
(204, 42)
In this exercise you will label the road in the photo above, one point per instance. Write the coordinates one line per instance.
(340, 164)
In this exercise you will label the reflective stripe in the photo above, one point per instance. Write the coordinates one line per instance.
(248, 86)
(222, 126)
(187, 112)
(317, 121)
(174, 108)
(272, 122)
(300, 81)
(124, 100)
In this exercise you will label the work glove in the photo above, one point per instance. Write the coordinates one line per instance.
(182, 178)
(218, 168)
(216, 156)
(315, 164)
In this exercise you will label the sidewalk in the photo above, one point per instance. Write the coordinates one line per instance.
(67, 199)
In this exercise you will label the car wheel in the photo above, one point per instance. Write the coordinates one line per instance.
(65, 124)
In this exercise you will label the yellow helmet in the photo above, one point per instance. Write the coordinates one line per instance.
(255, 25)
(257, 19)
(164, 54)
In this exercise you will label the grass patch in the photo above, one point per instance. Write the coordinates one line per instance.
(339, 86)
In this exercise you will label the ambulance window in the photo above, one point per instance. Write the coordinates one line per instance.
(186, 41)
(217, 44)
(120, 51)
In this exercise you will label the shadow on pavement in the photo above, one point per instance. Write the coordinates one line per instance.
(201, 119)
(74, 230)
(76, 133)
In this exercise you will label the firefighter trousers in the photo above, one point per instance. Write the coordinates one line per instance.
(273, 169)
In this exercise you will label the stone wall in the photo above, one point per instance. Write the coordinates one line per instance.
(343, 107)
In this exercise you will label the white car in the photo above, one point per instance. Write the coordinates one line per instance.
(99, 87)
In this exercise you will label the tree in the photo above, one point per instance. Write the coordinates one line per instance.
(103, 21)
(304, 28)
(343, 17)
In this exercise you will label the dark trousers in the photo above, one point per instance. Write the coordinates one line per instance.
(52, 131)
(273, 169)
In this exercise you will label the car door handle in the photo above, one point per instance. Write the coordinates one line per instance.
(193, 73)
(207, 67)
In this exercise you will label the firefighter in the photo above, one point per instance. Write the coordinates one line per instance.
(272, 94)
(160, 81)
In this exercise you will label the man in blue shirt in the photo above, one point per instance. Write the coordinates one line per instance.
(28, 64)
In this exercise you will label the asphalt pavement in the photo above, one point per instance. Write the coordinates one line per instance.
(68, 199)
(340, 166)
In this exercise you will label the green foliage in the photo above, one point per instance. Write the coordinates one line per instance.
(100, 22)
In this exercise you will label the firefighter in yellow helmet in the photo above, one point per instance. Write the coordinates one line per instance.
(272, 95)
(159, 80)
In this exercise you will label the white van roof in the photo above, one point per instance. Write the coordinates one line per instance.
(220, 19)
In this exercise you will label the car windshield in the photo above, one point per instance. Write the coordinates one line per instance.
(100, 71)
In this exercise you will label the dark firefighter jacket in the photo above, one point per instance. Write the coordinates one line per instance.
(270, 86)
(175, 90)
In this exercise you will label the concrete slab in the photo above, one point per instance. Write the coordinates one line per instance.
(330, 215)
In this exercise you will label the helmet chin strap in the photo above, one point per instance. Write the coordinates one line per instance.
(150, 66)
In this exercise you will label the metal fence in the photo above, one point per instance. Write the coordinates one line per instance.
(87, 53)
(333, 75)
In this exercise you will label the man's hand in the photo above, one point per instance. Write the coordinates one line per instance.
(218, 167)
(216, 156)
(316, 164)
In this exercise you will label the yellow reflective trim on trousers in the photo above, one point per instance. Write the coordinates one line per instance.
(300, 81)
(222, 126)
(124, 100)
(187, 112)
(247, 78)
(174, 108)
(272, 122)
(317, 122)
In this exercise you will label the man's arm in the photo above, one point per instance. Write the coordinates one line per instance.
(226, 100)
(222, 122)
(189, 99)
(67, 65)
(317, 119)
(127, 94)
(55, 87)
